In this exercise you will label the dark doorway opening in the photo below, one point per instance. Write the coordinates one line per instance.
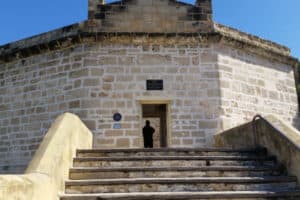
(157, 115)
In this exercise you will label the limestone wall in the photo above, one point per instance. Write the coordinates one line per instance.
(209, 85)
(96, 80)
(250, 84)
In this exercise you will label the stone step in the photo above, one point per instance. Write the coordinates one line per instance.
(229, 195)
(170, 152)
(179, 161)
(191, 184)
(160, 172)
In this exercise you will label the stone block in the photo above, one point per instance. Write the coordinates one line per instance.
(137, 142)
(273, 95)
(224, 84)
(114, 133)
(40, 110)
(78, 93)
(91, 103)
(126, 60)
(208, 57)
(117, 51)
(135, 70)
(107, 86)
(133, 133)
(79, 73)
(153, 70)
(213, 93)
(123, 142)
(225, 68)
(90, 62)
(210, 75)
(154, 59)
(248, 89)
(195, 60)
(103, 94)
(77, 83)
(108, 104)
(131, 118)
(108, 78)
(187, 142)
(124, 78)
(182, 61)
(115, 70)
(208, 124)
(97, 71)
(175, 142)
(107, 61)
(105, 142)
(172, 69)
(128, 95)
(91, 82)
(74, 104)
(198, 134)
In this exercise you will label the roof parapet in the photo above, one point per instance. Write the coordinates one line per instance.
(206, 6)
(251, 39)
(170, 19)
(166, 16)
(92, 7)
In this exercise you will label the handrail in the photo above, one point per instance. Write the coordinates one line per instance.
(254, 128)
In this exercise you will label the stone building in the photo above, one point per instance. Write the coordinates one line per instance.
(162, 60)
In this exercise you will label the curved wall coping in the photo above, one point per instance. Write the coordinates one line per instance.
(287, 131)
(280, 138)
(46, 173)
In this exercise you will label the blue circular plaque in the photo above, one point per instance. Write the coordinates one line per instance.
(117, 117)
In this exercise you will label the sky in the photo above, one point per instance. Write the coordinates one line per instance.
(275, 20)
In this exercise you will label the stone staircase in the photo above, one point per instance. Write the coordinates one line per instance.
(178, 174)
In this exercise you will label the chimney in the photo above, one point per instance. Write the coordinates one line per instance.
(206, 8)
(93, 5)
(206, 5)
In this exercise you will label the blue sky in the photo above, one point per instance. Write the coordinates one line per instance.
(276, 20)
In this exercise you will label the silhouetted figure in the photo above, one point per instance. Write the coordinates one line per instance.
(148, 132)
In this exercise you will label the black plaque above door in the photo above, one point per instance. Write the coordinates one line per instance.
(155, 84)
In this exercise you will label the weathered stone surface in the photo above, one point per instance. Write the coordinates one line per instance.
(254, 88)
(175, 173)
(280, 139)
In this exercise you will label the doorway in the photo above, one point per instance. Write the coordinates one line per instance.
(157, 115)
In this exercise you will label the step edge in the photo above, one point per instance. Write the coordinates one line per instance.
(233, 180)
(137, 150)
(204, 168)
(228, 194)
(121, 158)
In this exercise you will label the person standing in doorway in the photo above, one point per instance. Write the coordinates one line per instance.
(148, 132)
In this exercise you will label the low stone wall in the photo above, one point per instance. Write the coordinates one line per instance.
(281, 140)
(45, 175)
